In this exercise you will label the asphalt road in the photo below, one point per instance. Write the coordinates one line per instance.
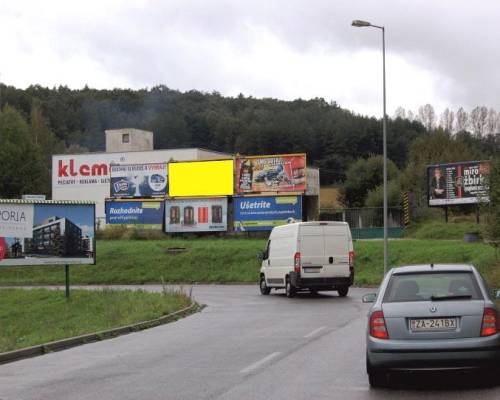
(241, 346)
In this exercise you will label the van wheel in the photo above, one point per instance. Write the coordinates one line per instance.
(343, 290)
(264, 289)
(289, 289)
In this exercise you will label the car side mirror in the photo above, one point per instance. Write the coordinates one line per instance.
(260, 256)
(369, 298)
(495, 293)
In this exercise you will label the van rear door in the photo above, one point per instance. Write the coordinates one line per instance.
(324, 250)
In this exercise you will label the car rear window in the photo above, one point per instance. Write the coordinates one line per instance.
(432, 285)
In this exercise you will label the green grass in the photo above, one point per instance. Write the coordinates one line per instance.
(147, 261)
(219, 260)
(369, 257)
(441, 230)
(30, 317)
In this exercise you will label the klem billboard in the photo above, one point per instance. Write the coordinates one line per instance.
(263, 213)
(458, 183)
(201, 178)
(278, 173)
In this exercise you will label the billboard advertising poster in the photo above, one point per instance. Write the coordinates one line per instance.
(139, 180)
(47, 233)
(458, 183)
(196, 215)
(279, 173)
(143, 214)
(263, 213)
(201, 178)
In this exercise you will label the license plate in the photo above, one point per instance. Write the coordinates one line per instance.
(312, 269)
(433, 324)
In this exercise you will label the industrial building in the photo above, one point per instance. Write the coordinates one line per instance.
(87, 176)
(55, 236)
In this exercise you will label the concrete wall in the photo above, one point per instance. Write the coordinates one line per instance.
(138, 140)
(312, 179)
(204, 154)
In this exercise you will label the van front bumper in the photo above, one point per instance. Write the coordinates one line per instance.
(300, 282)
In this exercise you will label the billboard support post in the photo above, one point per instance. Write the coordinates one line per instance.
(66, 270)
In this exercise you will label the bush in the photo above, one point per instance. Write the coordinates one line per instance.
(124, 232)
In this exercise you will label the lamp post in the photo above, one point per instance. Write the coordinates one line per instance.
(362, 24)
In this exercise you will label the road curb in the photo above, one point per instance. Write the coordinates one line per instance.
(63, 344)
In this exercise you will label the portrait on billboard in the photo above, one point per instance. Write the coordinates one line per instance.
(458, 183)
(438, 184)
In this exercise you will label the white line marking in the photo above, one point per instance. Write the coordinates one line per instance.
(259, 363)
(314, 332)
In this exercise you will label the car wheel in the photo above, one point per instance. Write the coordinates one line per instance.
(264, 289)
(314, 292)
(289, 289)
(343, 290)
(376, 377)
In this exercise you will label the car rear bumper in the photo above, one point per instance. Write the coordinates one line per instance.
(443, 355)
(301, 282)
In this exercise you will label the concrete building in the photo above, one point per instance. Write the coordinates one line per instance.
(129, 139)
(86, 176)
(55, 236)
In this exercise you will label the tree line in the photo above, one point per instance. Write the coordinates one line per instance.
(37, 122)
(480, 121)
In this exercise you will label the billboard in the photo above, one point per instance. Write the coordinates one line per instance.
(458, 183)
(196, 215)
(263, 213)
(201, 178)
(143, 214)
(46, 233)
(279, 173)
(139, 180)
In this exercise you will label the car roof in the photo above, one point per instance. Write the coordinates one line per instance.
(408, 269)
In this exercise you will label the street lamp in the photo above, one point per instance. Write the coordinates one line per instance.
(360, 24)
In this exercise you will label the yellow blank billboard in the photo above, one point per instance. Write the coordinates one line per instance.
(201, 178)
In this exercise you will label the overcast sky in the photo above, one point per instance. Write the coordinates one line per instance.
(440, 52)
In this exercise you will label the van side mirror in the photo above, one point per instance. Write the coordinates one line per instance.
(261, 256)
(369, 298)
(495, 293)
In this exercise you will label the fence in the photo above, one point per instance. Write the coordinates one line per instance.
(368, 223)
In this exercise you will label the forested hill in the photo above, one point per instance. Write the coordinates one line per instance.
(332, 137)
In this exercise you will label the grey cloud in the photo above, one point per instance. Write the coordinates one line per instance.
(452, 39)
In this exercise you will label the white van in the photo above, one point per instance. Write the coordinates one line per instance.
(308, 256)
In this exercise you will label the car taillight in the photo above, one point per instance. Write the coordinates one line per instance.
(296, 262)
(377, 325)
(351, 259)
(490, 322)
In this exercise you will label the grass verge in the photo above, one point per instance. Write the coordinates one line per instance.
(441, 230)
(31, 317)
(234, 260)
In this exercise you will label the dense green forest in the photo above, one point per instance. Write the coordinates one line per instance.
(37, 122)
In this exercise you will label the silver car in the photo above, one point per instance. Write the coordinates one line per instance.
(431, 317)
